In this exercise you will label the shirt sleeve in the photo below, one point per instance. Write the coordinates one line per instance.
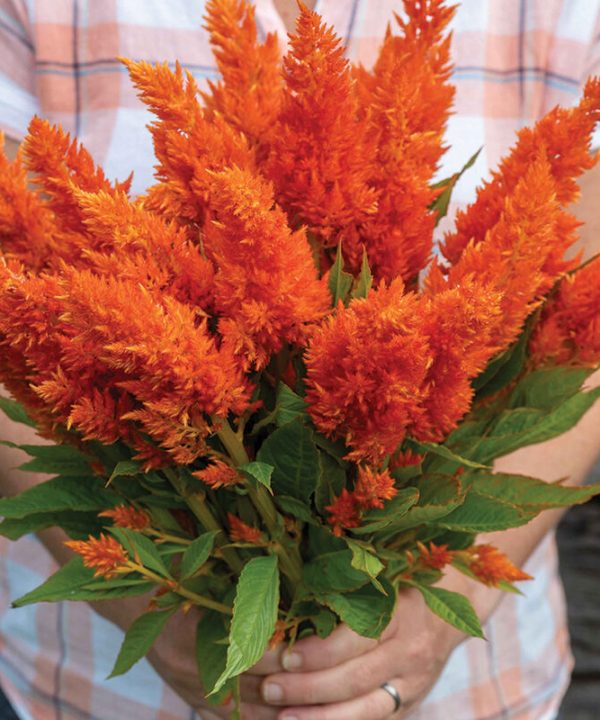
(592, 67)
(18, 100)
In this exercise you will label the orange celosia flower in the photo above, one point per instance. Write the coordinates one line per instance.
(565, 135)
(373, 487)
(368, 392)
(218, 474)
(461, 325)
(406, 458)
(127, 516)
(249, 93)
(103, 553)
(492, 567)
(186, 141)
(344, 513)
(279, 634)
(435, 556)
(160, 354)
(513, 257)
(240, 532)
(266, 289)
(407, 100)
(318, 159)
(569, 330)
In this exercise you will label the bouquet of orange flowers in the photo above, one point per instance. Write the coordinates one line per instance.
(266, 399)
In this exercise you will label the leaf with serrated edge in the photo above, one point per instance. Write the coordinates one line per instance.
(451, 607)
(340, 281)
(259, 472)
(289, 405)
(254, 616)
(211, 653)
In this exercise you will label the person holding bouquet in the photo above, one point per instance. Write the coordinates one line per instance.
(513, 62)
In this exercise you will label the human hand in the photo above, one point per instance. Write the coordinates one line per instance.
(340, 678)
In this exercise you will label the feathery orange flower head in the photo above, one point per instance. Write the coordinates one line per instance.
(407, 100)
(218, 474)
(60, 166)
(492, 567)
(141, 247)
(435, 556)
(127, 516)
(239, 531)
(373, 487)
(513, 257)
(405, 458)
(565, 134)
(248, 95)
(318, 149)
(27, 225)
(186, 141)
(162, 356)
(266, 289)
(105, 554)
(461, 324)
(365, 370)
(344, 512)
(568, 332)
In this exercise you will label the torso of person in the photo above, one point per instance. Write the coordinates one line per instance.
(514, 59)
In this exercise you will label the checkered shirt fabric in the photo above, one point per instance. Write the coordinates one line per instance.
(514, 59)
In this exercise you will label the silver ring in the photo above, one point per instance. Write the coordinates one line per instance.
(394, 694)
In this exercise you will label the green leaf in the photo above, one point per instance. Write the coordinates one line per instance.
(139, 639)
(296, 508)
(211, 653)
(77, 525)
(125, 468)
(254, 616)
(15, 412)
(289, 405)
(452, 607)
(506, 367)
(61, 585)
(333, 572)
(388, 517)
(292, 452)
(531, 494)
(442, 451)
(547, 388)
(364, 560)
(58, 494)
(325, 623)
(366, 610)
(141, 549)
(442, 202)
(332, 479)
(339, 281)
(365, 279)
(483, 513)
(197, 554)
(56, 459)
(259, 472)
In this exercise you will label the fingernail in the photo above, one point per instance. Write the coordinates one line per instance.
(272, 692)
(289, 717)
(291, 661)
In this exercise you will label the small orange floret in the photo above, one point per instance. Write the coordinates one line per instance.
(435, 556)
(103, 553)
(127, 516)
(218, 474)
(492, 567)
(373, 487)
(240, 532)
(344, 513)
(278, 636)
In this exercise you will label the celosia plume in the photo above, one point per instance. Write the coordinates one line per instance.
(492, 567)
(435, 557)
(105, 554)
(266, 289)
(248, 95)
(127, 516)
(565, 136)
(239, 531)
(218, 474)
(568, 332)
(368, 392)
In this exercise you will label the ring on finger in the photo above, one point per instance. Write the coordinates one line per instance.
(394, 694)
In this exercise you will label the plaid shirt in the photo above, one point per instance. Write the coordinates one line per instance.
(514, 59)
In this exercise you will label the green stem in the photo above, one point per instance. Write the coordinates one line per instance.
(291, 564)
(205, 516)
(236, 713)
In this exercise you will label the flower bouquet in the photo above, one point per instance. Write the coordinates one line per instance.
(266, 400)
